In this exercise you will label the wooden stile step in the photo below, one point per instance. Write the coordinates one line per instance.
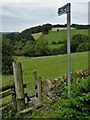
(36, 102)
(26, 110)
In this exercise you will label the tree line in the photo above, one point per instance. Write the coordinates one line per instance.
(46, 27)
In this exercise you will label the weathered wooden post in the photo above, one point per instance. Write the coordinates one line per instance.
(35, 80)
(39, 88)
(35, 76)
(37, 100)
(17, 70)
(14, 98)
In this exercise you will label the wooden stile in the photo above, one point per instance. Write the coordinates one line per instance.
(26, 110)
(17, 69)
(6, 87)
(5, 94)
(14, 98)
(36, 102)
(35, 76)
(5, 103)
(35, 80)
(39, 88)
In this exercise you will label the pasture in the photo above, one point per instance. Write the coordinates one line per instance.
(62, 35)
(49, 66)
(56, 36)
(37, 35)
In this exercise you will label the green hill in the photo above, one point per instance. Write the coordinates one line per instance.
(62, 35)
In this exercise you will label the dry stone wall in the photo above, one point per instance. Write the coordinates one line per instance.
(49, 86)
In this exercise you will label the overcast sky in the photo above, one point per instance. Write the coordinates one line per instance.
(17, 15)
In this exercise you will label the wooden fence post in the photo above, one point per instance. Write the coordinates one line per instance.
(35, 80)
(35, 76)
(17, 70)
(14, 98)
(39, 88)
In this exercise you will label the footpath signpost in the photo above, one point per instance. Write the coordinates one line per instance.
(67, 10)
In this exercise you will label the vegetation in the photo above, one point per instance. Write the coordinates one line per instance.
(75, 107)
(49, 66)
(44, 29)
(62, 35)
(51, 43)
(61, 107)
(83, 47)
(74, 26)
(7, 59)
(37, 35)
(77, 41)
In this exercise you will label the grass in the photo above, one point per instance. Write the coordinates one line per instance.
(62, 35)
(55, 35)
(55, 46)
(61, 107)
(49, 66)
(37, 35)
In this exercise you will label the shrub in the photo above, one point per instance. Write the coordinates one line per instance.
(77, 40)
(7, 59)
(61, 42)
(54, 42)
(77, 106)
(26, 35)
(41, 48)
(82, 47)
(28, 49)
(63, 48)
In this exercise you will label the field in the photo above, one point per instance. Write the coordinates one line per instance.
(49, 66)
(37, 35)
(56, 36)
(62, 35)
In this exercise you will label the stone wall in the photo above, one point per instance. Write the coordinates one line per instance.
(49, 85)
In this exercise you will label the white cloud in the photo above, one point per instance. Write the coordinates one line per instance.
(17, 16)
(45, 1)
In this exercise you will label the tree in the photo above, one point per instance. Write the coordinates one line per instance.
(28, 49)
(41, 48)
(77, 40)
(53, 43)
(45, 30)
(7, 56)
(26, 35)
(83, 47)
(63, 49)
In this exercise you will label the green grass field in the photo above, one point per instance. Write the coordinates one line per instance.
(58, 36)
(37, 35)
(62, 35)
(49, 66)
